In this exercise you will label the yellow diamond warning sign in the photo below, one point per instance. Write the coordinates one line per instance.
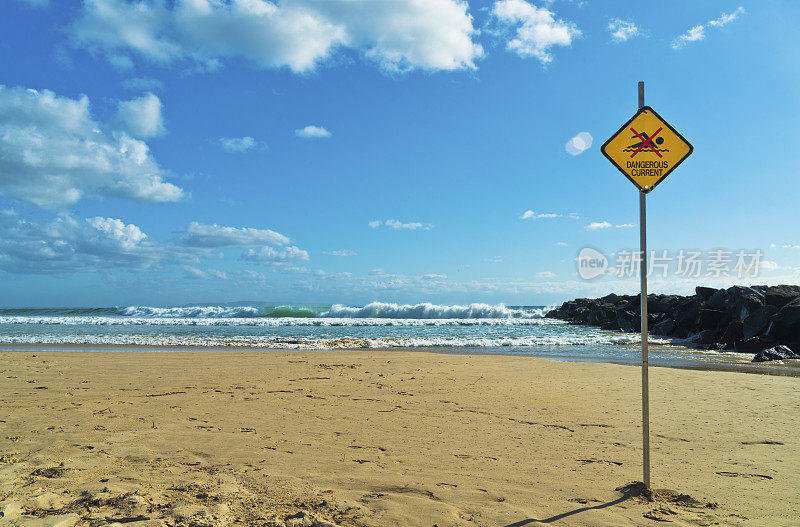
(646, 149)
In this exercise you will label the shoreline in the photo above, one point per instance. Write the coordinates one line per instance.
(772, 369)
(373, 438)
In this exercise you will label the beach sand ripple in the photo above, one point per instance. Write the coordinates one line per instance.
(301, 438)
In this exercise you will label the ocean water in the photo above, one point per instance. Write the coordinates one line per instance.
(473, 328)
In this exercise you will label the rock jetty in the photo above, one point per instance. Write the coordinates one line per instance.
(762, 320)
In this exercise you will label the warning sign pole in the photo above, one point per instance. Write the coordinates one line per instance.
(643, 272)
(660, 148)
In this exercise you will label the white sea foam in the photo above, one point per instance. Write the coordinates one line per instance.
(268, 322)
(432, 311)
(326, 343)
(372, 310)
(189, 312)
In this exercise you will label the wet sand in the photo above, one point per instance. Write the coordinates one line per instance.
(249, 437)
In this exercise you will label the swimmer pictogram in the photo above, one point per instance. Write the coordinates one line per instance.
(646, 141)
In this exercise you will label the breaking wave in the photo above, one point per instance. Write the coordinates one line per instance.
(373, 310)
(432, 311)
(190, 312)
(267, 321)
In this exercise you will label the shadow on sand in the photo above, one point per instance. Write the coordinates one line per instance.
(625, 496)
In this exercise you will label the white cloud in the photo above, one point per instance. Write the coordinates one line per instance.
(536, 29)
(251, 277)
(237, 144)
(121, 63)
(398, 225)
(579, 144)
(561, 244)
(597, 225)
(726, 18)
(142, 84)
(494, 259)
(434, 276)
(546, 274)
(208, 274)
(141, 116)
(53, 153)
(398, 35)
(767, 265)
(343, 253)
(271, 255)
(624, 226)
(217, 237)
(622, 30)
(65, 244)
(127, 236)
(692, 35)
(698, 32)
(531, 215)
(312, 132)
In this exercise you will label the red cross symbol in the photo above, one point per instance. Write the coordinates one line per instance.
(647, 141)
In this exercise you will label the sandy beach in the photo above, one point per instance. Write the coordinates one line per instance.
(385, 438)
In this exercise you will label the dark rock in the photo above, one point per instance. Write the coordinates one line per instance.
(710, 318)
(785, 324)
(731, 334)
(744, 302)
(665, 327)
(718, 300)
(661, 303)
(629, 321)
(757, 321)
(706, 337)
(680, 332)
(752, 345)
(780, 295)
(749, 319)
(704, 292)
(629, 303)
(687, 312)
(776, 353)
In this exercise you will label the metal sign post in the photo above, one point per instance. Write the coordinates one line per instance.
(646, 150)
(643, 273)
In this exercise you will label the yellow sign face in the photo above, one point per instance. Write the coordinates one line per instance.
(646, 149)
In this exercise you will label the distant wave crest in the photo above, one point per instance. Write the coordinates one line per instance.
(427, 310)
(384, 311)
(189, 312)
(274, 322)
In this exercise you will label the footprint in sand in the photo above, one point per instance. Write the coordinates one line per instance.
(604, 461)
(741, 475)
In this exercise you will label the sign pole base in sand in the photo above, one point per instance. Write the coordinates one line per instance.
(643, 273)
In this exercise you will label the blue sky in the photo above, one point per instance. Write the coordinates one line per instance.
(348, 151)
